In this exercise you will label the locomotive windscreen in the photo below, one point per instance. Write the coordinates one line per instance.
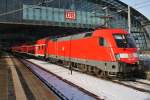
(124, 41)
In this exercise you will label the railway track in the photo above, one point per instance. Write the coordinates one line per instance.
(142, 81)
(6, 81)
(140, 86)
(63, 88)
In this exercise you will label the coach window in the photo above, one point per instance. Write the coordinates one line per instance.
(102, 41)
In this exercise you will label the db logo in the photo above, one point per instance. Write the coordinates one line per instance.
(70, 14)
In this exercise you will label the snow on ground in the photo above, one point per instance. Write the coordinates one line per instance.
(102, 88)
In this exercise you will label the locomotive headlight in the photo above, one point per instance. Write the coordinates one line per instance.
(122, 55)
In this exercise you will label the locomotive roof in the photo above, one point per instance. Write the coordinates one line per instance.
(89, 34)
(75, 36)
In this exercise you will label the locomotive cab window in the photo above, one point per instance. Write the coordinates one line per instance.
(124, 41)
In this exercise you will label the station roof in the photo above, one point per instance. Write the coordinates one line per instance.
(116, 4)
(122, 6)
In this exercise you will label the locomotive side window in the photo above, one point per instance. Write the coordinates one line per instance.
(102, 41)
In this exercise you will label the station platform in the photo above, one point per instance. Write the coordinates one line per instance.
(17, 82)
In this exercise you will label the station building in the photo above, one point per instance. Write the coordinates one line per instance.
(73, 15)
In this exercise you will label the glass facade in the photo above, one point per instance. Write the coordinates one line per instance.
(87, 13)
(49, 14)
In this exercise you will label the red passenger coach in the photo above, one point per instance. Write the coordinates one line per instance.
(27, 49)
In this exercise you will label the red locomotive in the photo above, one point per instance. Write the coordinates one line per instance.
(110, 52)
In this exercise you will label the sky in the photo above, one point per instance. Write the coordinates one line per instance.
(142, 6)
